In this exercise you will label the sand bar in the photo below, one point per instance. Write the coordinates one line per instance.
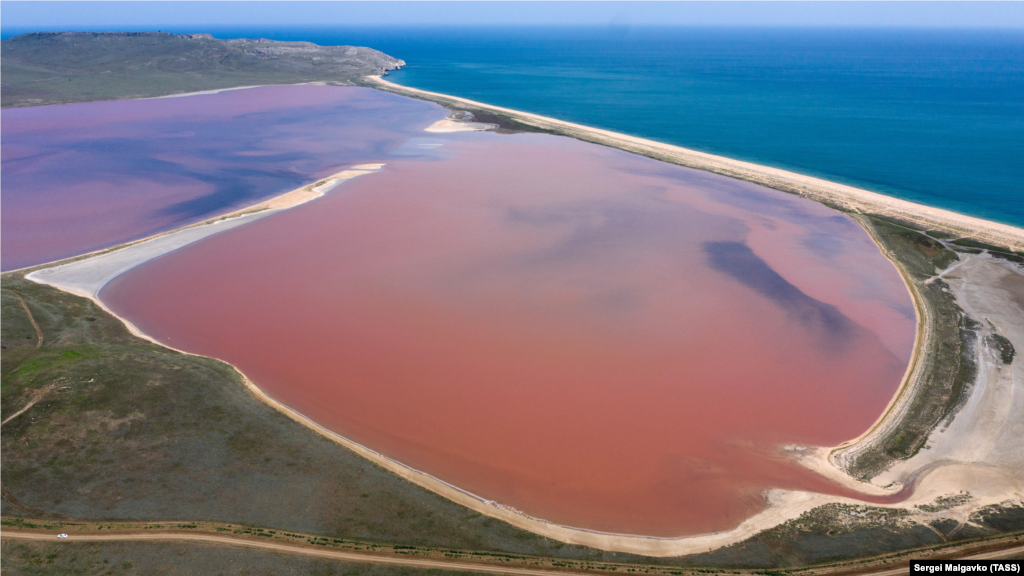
(447, 126)
(87, 276)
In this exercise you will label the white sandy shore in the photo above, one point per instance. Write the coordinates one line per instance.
(86, 277)
(937, 477)
(846, 197)
(219, 90)
(202, 92)
(448, 125)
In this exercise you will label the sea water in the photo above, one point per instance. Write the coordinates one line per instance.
(931, 116)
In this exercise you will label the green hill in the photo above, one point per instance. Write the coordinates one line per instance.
(61, 67)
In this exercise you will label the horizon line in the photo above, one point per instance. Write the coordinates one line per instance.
(172, 28)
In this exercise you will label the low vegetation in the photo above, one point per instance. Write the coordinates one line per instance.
(836, 534)
(63, 67)
(947, 370)
(822, 541)
(1002, 346)
(179, 558)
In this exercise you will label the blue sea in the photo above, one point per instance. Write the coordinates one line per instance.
(932, 116)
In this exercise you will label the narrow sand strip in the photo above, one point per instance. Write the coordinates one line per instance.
(204, 92)
(830, 193)
(446, 125)
(86, 277)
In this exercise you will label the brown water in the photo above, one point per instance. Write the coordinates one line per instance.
(594, 338)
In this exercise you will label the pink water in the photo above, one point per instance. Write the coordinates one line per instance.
(593, 338)
(82, 177)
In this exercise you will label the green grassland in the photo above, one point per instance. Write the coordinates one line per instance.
(27, 558)
(59, 68)
(947, 369)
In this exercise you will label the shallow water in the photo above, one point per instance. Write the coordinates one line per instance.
(594, 338)
(82, 177)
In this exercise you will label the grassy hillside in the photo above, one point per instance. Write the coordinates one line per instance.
(120, 428)
(62, 67)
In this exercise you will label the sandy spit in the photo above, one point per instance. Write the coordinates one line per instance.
(203, 92)
(991, 477)
(281, 202)
(447, 125)
(86, 276)
(830, 193)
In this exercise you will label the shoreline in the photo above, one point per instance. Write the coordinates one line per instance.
(857, 203)
(832, 194)
(912, 377)
(280, 202)
(782, 505)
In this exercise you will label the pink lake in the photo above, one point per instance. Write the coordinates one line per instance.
(596, 339)
(82, 177)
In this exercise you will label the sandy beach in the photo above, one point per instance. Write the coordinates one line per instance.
(939, 472)
(281, 202)
(447, 126)
(86, 275)
(830, 193)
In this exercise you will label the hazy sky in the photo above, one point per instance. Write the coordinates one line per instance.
(153, 15)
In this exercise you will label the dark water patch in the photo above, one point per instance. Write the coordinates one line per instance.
(82, 177)
(737, 260)
(533, 324)
(229, 187)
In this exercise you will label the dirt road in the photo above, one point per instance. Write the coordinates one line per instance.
(294, 549)
(1015, 550)
(39, 332)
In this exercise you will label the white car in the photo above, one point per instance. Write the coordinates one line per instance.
(62, 535)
